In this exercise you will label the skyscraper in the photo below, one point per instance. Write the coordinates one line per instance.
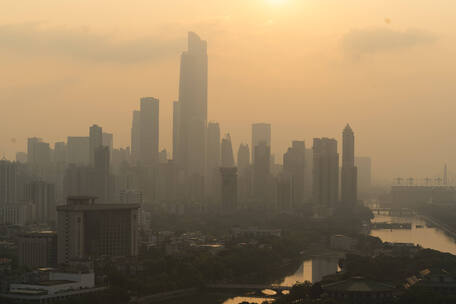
(42, 195)
(261, 132)
(262, 172)
(135, 136)
(108, 141)
(244, 169)
(229, 188)
(8, 183)
(227, 152)
(213, 156)
(294, 162)
(38, 152)
(349, 171)
(192, 107)
(325, 172)
(176, 130)
(95, 141)
(149, 131)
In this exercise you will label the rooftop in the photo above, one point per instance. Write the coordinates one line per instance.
(358, 284)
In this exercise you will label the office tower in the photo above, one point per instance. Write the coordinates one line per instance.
(78, 151)
(168, 188)
(261, 172)
(325, 172)
(95, 141)
(77, 181)
(229, 188)
(42, 195)
(349, 187)
(227, 152)
(38, 152)
(8, 182)
(244, 178)
(21, 157)
(364, 166)
(131, 197)
(101, 174)
(308, 178)
(60, 152)
(192, 107)
(135, 136)
(19, 214)
(284, 190)
(149, 131)
(90, 230)
(176, 129)
(261, 132)
(37, 249)
(294, 162)
(108, 141)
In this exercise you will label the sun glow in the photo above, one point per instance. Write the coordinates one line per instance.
(276, 2)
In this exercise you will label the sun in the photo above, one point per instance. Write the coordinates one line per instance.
(276, 2)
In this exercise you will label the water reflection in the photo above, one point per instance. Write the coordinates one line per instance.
(312, 270)
(238, 300)
(427, 237)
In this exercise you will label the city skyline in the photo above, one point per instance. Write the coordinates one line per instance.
(244, 71)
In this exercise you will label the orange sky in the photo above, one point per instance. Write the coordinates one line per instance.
(306, 66)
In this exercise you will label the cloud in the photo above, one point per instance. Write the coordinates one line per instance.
(33, 39)
(375, 40)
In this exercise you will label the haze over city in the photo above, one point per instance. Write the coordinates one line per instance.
(305, 67)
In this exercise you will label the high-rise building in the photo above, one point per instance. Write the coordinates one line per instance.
(244, 169)
(308, 174)
(227, 152)
(108, 141)
(261, 132)
(8, 182)
(90, 230)
(95, 141)
(102, 184)
(213, 158)
(38, 152)
(135, 136)
(325, 172)
(192, 108)
(364, 166)
(262, 173)
(78, 151)
(229, 188)
(294, 163)
(60, 152)
(149, 131)
(37, 249)
(176, 129)
(42, 195)
(349, 187)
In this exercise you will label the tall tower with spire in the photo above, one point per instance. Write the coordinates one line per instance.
(349, 171)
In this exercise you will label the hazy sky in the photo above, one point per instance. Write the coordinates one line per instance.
(306, 66)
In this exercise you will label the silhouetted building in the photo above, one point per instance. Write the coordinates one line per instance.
(42, 195)
(364, 166)
(21, 157)
(227, 152)
(37, 249)
(176, 129)
(349, 171)
(325, 172)
(213, 156)
(135, 136)
(60, 153)
(192, 105)
(95, 141)
(245, 176)
(294, 163)
(38, 152)
(89, 230)
(229, 188)
(261, 132)
(8, 183)
(78, 150)
(261, 173)
(102, 182)
(108, 141)
(149, 131)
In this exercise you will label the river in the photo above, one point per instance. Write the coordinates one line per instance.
(313, 270)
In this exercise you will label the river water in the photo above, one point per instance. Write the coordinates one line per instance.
(313, 270)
